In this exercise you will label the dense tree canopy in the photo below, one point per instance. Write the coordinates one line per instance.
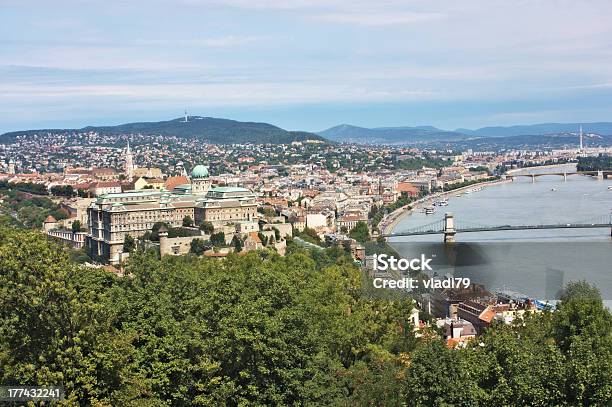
(360, 232)
(260, 329)
(601, 162)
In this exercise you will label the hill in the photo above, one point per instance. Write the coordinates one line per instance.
(429, 134)
(604, 128)
(392, 135)
(526, 142)
(213, 130)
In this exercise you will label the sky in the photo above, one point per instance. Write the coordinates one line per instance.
(305, 64)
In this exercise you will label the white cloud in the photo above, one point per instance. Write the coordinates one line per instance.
(227, 41)
(276, 52)
(369, 19)
(233, 94)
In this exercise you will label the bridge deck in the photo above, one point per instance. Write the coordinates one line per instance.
(605, 173)
(504, 228)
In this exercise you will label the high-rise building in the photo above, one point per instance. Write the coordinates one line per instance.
(581, 144)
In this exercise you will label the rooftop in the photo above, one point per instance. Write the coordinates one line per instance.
(199, 171)
(230, 189)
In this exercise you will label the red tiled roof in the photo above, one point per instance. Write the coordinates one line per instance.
(453, 342)
(487, 315)
(97, 171)
(255, 236)
(103, 184)
(173, 182)
(352, 217)
(213, 254)
(83, 185)
(406, 187)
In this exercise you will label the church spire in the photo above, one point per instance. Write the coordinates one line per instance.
(129, 163)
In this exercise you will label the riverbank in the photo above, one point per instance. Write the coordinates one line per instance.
(389, 222)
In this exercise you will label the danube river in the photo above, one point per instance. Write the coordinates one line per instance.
(533, 262)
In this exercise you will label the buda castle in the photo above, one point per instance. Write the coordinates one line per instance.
(113, 216)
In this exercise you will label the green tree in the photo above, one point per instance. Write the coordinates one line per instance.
(582, 328)
(309, 235)
(76, 226)
(207, 227)
(218, 239)
(197, 247)
(360, 232)
(129, 244)
(438, 376)
(237, 243)
(62, 190)
(57, 328)
(272, 330)
(580, 313)
(187, 221)
(155, 230)
(263, 238)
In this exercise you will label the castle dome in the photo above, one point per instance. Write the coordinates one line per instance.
(199, 171)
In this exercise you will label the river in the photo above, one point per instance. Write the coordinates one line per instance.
(533, 262)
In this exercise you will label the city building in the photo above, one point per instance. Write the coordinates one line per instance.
(105, 187)
(113, 216)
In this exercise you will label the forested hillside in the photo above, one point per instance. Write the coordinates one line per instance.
(210, 129)
(260, 329)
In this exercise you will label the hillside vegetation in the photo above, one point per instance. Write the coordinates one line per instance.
(213, 130)
(260, 329)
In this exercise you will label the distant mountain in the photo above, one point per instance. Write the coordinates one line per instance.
(213, 130)
(540, 141)
(604, 128)
(429, 134)
(390, 135)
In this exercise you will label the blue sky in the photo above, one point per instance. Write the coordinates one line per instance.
(305, 64)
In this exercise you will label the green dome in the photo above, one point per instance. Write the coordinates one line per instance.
(199, 171)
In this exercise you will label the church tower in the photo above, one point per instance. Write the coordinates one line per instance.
(129, 163)
(200, 180)
(11, 167)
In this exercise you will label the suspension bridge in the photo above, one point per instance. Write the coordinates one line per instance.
(449, 227)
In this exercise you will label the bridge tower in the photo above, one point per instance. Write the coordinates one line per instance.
(600, 175)
(449, 228)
